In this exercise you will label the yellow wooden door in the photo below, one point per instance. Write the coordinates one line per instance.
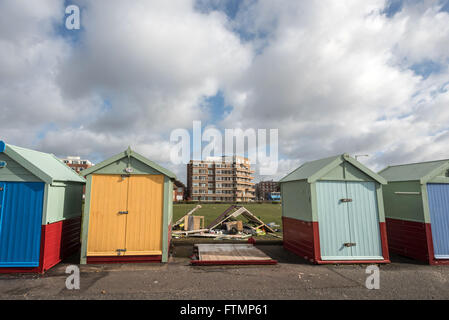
(107, 221)
(145, 210)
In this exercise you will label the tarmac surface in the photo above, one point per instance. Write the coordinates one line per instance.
(292, 278)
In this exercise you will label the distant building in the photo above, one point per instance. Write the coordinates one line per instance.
(275, 196)
(226, 178)
(268, 190)
(179, 191)
(77, 164)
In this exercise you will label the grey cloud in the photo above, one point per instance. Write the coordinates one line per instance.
(331, 77)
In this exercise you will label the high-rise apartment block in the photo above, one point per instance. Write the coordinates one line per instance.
(226, 178)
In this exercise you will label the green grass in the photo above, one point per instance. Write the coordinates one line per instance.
(267, 212)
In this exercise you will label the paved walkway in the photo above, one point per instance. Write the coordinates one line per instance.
(292, 278)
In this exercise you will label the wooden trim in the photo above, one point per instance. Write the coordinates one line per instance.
(384, 240)
(316, 242)
(425, 203)
(364, 169)
(434, 173)
(352, 261)
(314, 201)
(45, 205)
(85, 221)
(380, 203)
(127, 154)
(28, 165)
(407, 193)
(123, 259)
(143, 253)
(166, 198)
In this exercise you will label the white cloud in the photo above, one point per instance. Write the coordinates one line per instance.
(155, 60)
(335, 78)
(135, 72)
(332, 76)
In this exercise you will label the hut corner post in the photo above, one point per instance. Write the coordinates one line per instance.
(85, 221)
(168, 203)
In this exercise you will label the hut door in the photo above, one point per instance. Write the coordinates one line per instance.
(333, 221)
(364, 221)
(21, 205)
(348, 221)
(107, 219)
(144, 221)
(439, 218)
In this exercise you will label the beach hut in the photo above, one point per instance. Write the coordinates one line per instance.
(128, 210)
(332, 212)
(40, 210)
(417, 210)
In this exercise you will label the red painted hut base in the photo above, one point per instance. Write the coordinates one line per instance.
(303, 239)
(59, 240)
(412, 239)
(124, 259)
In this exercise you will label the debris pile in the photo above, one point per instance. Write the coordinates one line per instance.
(225, 226)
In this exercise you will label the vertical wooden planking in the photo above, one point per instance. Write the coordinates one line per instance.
(333, 220)
(85, 221)
(144, 220)
(438, 195)
(364, 221)
(20, 223)
(167, 214)
(106, 231)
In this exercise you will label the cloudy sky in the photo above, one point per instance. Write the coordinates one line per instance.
(362, 77)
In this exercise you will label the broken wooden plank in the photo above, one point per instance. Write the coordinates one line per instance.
(240, 211)
(188, 214)
(233, 215)
(247, 214)
(177, 232)
(222, 216)
(220, 236)
(193, 222)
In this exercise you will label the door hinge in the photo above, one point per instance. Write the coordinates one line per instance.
(120, 251)
(346, 200)
(123, 212)
(349, 244)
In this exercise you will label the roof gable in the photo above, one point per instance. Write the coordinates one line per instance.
(309, 169)
(45, 166)
(314, 170)
(128, 154)
(422, 171)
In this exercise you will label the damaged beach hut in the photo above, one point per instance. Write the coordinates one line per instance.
(40, 210)
(417, 210)
(332, 212)
(128, 210)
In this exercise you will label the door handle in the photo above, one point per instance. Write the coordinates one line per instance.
(346, 200)
(123, 212)
(349, 244)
